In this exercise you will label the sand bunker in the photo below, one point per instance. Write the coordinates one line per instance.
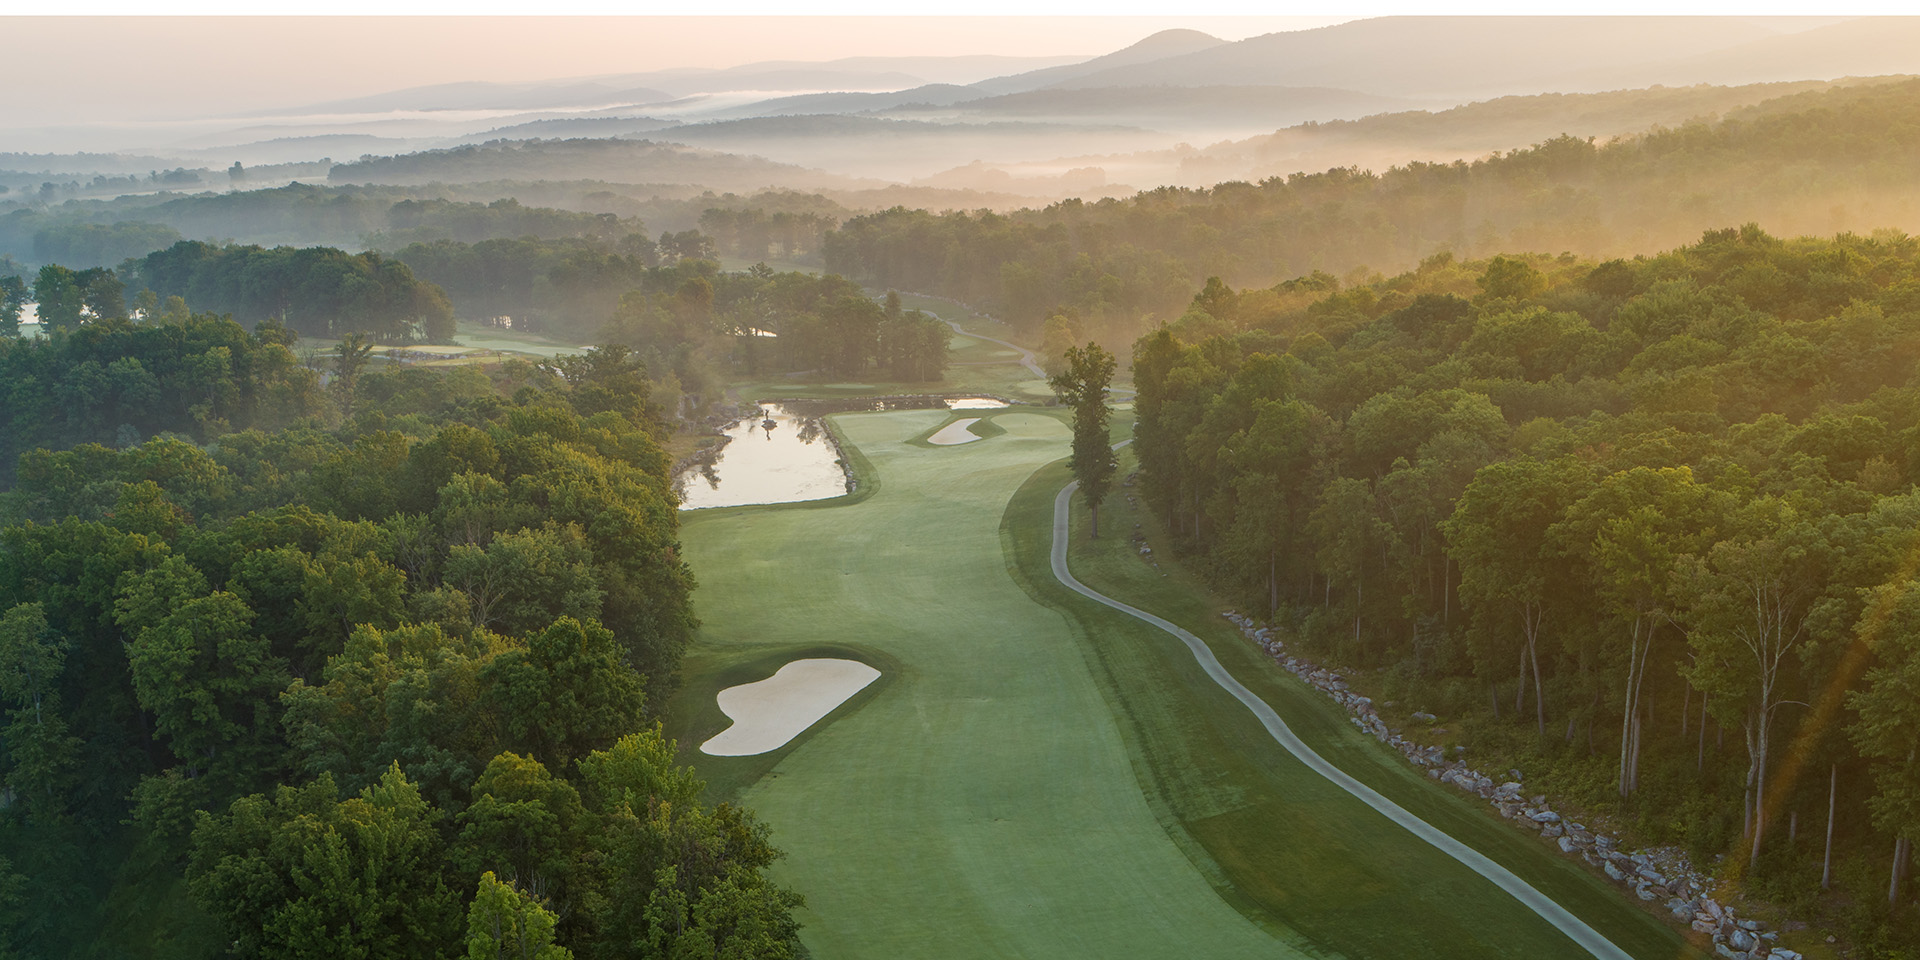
(769, 713)
(956, 432)
(975, 403)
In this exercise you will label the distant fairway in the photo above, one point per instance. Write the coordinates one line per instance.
(1028, 782)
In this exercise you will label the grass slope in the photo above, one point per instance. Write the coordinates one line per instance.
(979, 801)
(1287, 843)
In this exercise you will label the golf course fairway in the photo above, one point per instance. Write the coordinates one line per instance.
(999, 793)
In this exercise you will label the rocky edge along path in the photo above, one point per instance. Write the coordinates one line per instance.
(1576, 929)
(1650, 874)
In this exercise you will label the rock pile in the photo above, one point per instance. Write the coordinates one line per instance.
(1658, 874)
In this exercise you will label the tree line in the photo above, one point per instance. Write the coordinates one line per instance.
(316, 291)
(1602, 514)
(1816, 162)
(102, 233)
(379, 688)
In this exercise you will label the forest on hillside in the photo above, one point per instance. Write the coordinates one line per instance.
(362, 669)
(1644, 528)
(1815, 162)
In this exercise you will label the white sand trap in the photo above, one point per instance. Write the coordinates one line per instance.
(769, 713)
(956, 432)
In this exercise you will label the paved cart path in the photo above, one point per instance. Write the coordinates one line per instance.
(1538, 902)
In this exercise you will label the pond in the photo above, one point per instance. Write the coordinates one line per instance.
(780, 456)
(795, 458)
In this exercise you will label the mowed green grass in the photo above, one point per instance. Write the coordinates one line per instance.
(1035, 775)
(978, 801)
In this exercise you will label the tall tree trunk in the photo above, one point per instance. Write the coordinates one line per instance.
(1626, 711)
(1520, 685)
(1899, 870)
(1833, 792)
(1358, 597)
(1757, 744)
(1533, 654)
(1094, 509)
(1700, 762)
(1686, 706)
(1273, 583)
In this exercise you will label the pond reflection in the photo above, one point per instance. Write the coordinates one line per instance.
(791, 460)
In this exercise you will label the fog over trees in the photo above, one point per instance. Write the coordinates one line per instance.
(1554, 379)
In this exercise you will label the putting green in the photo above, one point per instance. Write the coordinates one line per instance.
(981, 802)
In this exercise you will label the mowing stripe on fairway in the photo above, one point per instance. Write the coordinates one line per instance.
(1562, 919)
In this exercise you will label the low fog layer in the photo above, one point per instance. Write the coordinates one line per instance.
(834, 139)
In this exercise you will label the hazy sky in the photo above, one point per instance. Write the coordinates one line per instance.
(141, 68)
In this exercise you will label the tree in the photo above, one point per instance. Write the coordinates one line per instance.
(506, 924)
(38, 750)
(1082, 386)
(1630, 532)
(566, 693)
(199, 668)
(696, 875)
(350, 358)
(1057, 336)
(525, 825)
(13, 298)
(59, 298)
(102, 293)
(1508, 565)
(305, 874)
(1747, 601)
(1888, 729)
(524, 580)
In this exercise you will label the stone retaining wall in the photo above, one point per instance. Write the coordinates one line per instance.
(1653, 875)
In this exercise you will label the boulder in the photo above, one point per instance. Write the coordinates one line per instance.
(1782, 953)
(1681, 909)
(1751, 925)
(1742, 940)
(1612, 871)
(1704, 926)
(1546, 816)
(1551, 831)
(1566, 845)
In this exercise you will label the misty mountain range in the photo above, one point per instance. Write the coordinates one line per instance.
(1171, 106)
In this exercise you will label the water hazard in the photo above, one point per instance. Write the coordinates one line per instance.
(785, 455)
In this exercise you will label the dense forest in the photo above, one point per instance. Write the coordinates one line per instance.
(1643, 528)
(317, 291)
(365, 670)
(1809, 163)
